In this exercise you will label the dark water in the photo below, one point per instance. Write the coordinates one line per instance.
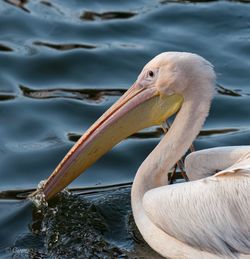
(62, 64)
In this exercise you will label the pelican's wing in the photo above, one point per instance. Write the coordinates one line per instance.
(207, 162)
(242, 166)
(211, 214)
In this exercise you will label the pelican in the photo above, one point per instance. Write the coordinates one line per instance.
(207, 217)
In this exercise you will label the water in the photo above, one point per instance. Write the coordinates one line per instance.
(63, 63)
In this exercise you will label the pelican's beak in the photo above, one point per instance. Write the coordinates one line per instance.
(137, 109)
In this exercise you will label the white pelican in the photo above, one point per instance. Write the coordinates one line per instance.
(208, 217)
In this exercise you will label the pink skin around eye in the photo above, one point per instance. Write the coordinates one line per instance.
(147, 78)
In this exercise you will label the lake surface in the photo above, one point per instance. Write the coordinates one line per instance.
(62, 64)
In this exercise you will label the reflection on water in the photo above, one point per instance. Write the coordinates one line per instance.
(5, 97)
(63, 63)
(64, 46)
(224, 91)
(94, 95)
(5, 48)
(91, 16)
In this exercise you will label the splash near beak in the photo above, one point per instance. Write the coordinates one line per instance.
(137, 109)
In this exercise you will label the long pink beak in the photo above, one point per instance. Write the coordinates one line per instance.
(137, 109)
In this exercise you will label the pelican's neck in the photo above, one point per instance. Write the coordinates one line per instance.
(154, 170)
(186, 126)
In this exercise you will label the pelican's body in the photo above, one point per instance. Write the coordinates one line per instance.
(207, 217)
(209, 214)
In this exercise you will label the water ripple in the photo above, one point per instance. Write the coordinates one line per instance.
(5, 48)
(95, 95)
(63, 47)
(6, 97)
(224, 91)
(92, 16)
(158, 132)
(19, 3)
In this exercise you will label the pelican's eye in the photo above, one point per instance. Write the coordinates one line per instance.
(148, 77)
(151, 73)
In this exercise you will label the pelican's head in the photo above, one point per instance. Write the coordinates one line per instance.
(175, 72)
(157, 94)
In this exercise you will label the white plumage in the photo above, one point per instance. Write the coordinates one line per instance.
(211, 214)
(208, 217)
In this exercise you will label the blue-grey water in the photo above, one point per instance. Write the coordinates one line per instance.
(62, 64)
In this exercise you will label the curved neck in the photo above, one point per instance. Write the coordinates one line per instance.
(186, 126)
(154, 170)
